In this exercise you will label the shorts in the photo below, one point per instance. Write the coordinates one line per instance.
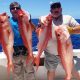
(77, 63)
(23, 71)
(51, 61)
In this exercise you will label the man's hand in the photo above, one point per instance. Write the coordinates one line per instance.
(74, 30)
(70, 29)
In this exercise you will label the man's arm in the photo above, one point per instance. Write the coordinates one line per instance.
(32, 24)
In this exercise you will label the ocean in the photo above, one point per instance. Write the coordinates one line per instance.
(75, 38)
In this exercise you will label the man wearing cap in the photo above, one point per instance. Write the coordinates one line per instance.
(52, 58)
(22, 71)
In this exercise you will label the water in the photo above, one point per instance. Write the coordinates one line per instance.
(75, 38)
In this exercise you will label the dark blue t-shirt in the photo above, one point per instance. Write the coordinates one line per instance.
(17, 37)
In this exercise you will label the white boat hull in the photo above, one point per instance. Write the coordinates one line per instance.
(41, 73)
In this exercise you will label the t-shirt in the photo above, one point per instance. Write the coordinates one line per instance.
(17, 37)
(62, 20)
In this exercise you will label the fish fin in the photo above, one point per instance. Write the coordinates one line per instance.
(10, 68)
(37, 62)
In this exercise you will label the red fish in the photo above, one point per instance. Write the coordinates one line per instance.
(6, 39)
(65, 49)
(26, 32)
(44, 34)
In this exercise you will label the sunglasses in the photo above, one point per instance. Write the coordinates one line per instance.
(55, 5)
(13, 8)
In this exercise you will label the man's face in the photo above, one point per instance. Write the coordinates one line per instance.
(14, 10)
(56, 10)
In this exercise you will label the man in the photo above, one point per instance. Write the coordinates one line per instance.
(58, 19)
(22, 71)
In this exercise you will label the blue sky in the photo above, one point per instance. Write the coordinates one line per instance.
(38, 8)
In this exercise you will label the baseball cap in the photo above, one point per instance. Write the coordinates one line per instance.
(55, 4)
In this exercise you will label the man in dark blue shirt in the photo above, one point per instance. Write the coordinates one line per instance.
(22, 71)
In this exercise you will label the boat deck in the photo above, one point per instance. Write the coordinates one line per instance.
(41, 73)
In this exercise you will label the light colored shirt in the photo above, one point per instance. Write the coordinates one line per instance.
(62, 20)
